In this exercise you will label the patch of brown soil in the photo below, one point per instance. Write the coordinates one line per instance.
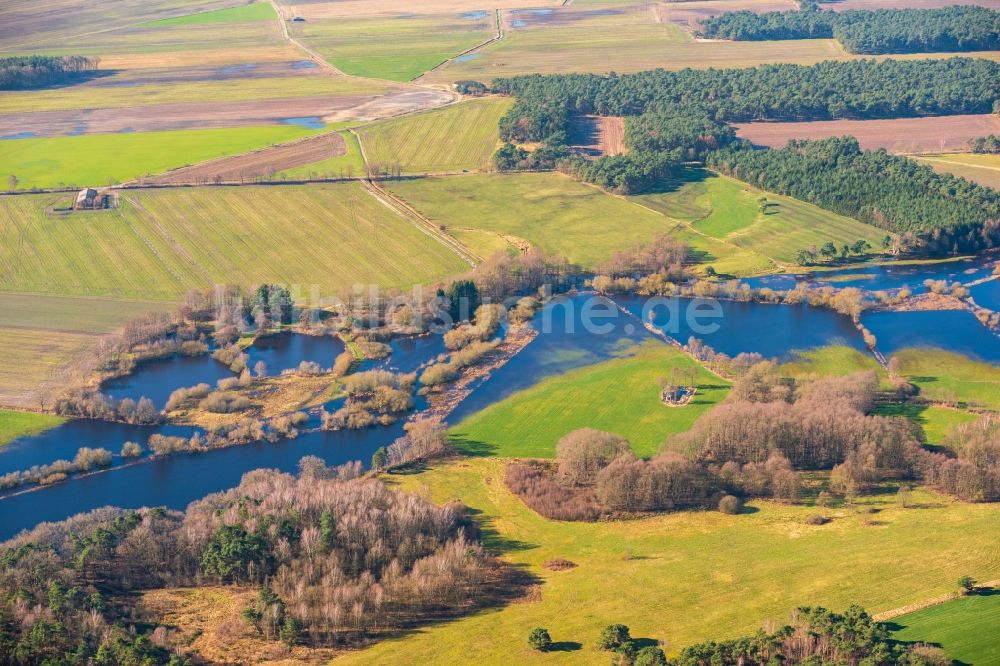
(899, 135)
(207, 620)
(688, 15)
(559, 564)
(843, 5)
(260, 163)
(202, 115)
(595, 136)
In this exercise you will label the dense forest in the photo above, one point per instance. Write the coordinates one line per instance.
(338, 559)
(891, 192)
(957, 28)
(25, 72)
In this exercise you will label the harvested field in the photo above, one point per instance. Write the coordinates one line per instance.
(265, 162)
(899, 135)
(982, 169)
(201, 57)
(35, 358)
(160, 243)
(594, 136)
(40, 335)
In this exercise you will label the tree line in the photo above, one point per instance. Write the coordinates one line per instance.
(891, 192)
(26, 72)
(984, 145)
(337, 559)
(868, 32)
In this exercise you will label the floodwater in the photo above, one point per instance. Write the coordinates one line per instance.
(309, 122)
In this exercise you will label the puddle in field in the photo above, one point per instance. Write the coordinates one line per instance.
(126, 130)
(517, 24)
(478, 14)
(309, 122)
(19, 135)
(304, 64)
(79, 130)
(230, 70)
(467, 57)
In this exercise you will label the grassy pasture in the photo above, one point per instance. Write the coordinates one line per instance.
(967, 628)
(693, 576)
(18, 424)
(398, 47)
(549, 210)
(454, 138)
(730, 211)
(101, 159)
(982, 169)
(160, 243)
(934, 420)
(620, 396)
(257, 11)
(946, 376)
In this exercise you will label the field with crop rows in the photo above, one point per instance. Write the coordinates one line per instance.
(161, 243)
(458, 137)
(548, 210)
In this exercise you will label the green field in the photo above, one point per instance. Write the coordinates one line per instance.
(548, 210)
(729, 210)
(257, 11)
(104, 159)
(620, 396)
(455, 138)
(946, 376)
(688, 577)
(966, 628)
(161, 243)
(399, 47)
(18, 424)
(934, 420)
(982, 169)
(831, 361)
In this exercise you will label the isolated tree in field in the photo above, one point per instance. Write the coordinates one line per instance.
(539, 639)
(11, 183)
(967, 583)
(860, 246)
(260, 368)
(613, 637)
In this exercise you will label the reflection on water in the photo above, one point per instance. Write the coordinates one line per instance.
(952, 330)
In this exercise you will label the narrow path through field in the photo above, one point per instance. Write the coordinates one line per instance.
(315, 57)
(963, 164)
(495, 38)
(407, 212)
(927, 603)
